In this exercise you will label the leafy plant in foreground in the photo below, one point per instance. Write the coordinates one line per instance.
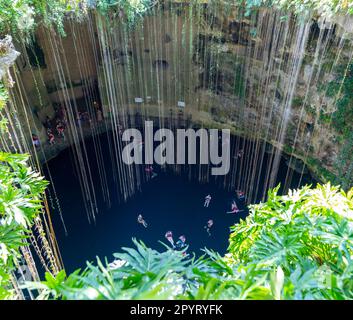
(21, 191)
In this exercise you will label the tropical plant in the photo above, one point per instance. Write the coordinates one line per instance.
(22, 16)
(21, 191)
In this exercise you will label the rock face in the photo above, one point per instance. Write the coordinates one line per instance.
(263, 76)
(8, 55)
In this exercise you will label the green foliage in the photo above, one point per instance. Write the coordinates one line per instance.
(297, 101)
(3, 99)
(308, 234)
(301, 7)
(3, 95)
(239, 82)
(341, 88)
(22, 16)
(325, 117)
(130, 10)
(344, 162)
(21, 191)
(298, 246)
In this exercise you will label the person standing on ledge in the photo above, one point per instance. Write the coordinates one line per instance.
(51, 138)
(35, 141)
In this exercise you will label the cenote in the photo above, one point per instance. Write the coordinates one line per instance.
(75, 75)
(171, 201)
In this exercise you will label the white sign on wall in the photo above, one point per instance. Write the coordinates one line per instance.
(181, 104)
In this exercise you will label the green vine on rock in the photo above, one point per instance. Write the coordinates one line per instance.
(302, 7)
(341, 88)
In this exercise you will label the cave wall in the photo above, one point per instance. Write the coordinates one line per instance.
(230, 70)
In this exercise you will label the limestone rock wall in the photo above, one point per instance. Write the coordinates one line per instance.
(263, 76)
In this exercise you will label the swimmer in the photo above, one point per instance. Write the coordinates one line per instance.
(141, 220)
(149, 169)
(207, 201)
(180, 244)
(208, 226)
(234, 208)
(169, 237)
(240, 194)
(240, 153)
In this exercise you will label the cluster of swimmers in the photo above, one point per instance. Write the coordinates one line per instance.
(234, 207)
(240, 195)
(181, 242)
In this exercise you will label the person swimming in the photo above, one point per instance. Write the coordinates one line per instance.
(240, 195)
(240, 153)
(149, 169)
(169, 237)
(234, 208)
(180, 244)
(208, 226)
(207, 201)
(141, 220)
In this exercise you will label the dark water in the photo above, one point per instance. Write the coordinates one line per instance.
(167, 202)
